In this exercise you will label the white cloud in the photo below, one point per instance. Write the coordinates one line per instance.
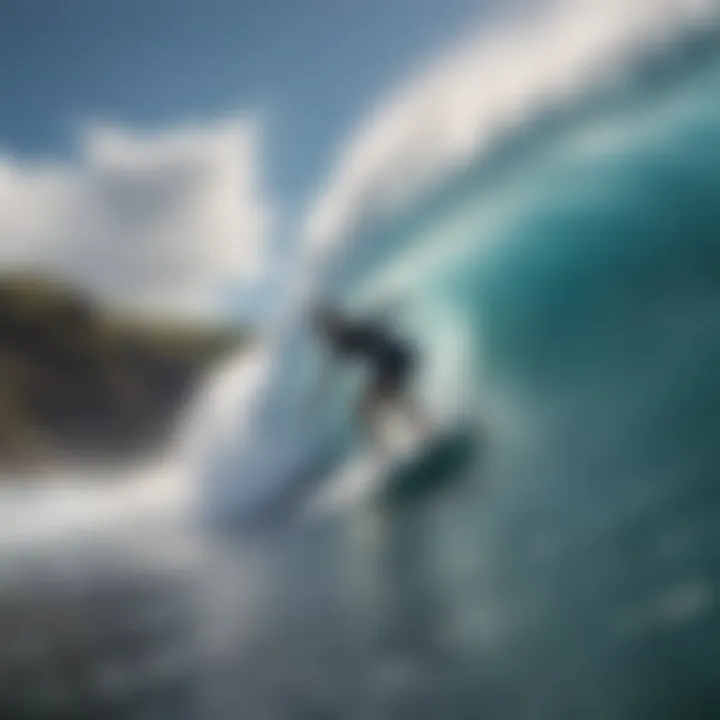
(492, 82)
(159, 219)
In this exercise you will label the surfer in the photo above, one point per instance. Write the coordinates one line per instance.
(390, 360)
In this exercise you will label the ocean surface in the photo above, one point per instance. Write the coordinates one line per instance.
(564, 291)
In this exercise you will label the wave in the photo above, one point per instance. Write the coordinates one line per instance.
(528, 69)
(597, 120)
(503, 264)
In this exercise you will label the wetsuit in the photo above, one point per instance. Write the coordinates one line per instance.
(391, 360)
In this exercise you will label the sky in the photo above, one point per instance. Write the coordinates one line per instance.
(302, 73)
(310, 67)
(172, 154)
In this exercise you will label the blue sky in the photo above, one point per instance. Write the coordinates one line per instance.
(310, 66)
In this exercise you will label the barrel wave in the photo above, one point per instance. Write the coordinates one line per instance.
(565, 291)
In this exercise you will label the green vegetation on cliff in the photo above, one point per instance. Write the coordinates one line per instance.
(81, 382)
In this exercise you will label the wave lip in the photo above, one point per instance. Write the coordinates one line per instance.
(494, 83)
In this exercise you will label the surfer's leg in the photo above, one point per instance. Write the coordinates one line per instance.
(370, 409)
(394, 387)
(414, 412)
(398, 395)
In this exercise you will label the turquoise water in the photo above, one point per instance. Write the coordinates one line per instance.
(572, 302)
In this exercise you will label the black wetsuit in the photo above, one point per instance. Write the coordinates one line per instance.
(392, 360)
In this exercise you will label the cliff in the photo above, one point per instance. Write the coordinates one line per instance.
(80, 382)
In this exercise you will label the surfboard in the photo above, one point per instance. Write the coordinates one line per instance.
(438, 463)
(415, 470)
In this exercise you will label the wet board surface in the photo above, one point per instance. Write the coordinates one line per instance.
(440, 463)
